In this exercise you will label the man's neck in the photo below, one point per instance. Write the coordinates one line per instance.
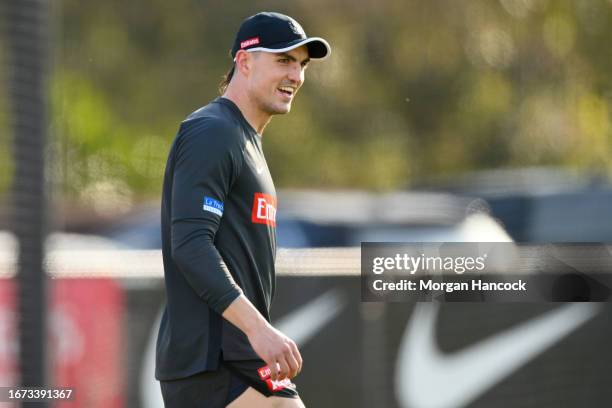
(256, 118)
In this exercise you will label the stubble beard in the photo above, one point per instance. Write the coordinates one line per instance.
(271, 108)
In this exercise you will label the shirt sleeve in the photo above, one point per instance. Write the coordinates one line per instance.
(208, 159)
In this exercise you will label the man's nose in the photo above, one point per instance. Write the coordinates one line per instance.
(296, 74)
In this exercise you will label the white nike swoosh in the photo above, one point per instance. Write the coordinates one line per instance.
(307, 320)
(300, 325)
(428, 378)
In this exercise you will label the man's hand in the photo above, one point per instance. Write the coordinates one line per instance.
(278, 351)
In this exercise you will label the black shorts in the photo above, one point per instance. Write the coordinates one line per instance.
(216, 389)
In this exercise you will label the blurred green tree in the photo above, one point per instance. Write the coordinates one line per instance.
(412, 90)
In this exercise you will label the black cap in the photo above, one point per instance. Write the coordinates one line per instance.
(275, 32)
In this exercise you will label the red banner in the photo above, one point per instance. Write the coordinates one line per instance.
(84, 341)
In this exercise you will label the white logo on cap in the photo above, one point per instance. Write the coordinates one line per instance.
(296, 27)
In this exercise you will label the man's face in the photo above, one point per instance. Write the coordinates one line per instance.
(276, 78)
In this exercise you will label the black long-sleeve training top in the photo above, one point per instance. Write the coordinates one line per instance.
(218, 239)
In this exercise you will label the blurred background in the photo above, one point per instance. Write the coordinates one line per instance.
(437, 120)
(415, 91)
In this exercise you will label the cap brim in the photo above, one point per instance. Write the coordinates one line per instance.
(318, 48)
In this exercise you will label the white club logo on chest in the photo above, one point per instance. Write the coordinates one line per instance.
(255, 159)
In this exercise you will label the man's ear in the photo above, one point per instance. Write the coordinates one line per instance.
(243, 62)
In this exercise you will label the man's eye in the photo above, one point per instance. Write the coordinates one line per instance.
(284, 60)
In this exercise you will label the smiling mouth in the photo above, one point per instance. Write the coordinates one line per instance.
(286, 90)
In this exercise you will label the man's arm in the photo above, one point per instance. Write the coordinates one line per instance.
(278, 351)
(207, 160)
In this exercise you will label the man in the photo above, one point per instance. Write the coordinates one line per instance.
(215, 346)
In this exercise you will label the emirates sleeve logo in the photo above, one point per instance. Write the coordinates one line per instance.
(264, 209)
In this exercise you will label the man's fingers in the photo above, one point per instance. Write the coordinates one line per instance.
(279, 352)
(294, 367)
(273, 366)
(297, 356)
(284, 369)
